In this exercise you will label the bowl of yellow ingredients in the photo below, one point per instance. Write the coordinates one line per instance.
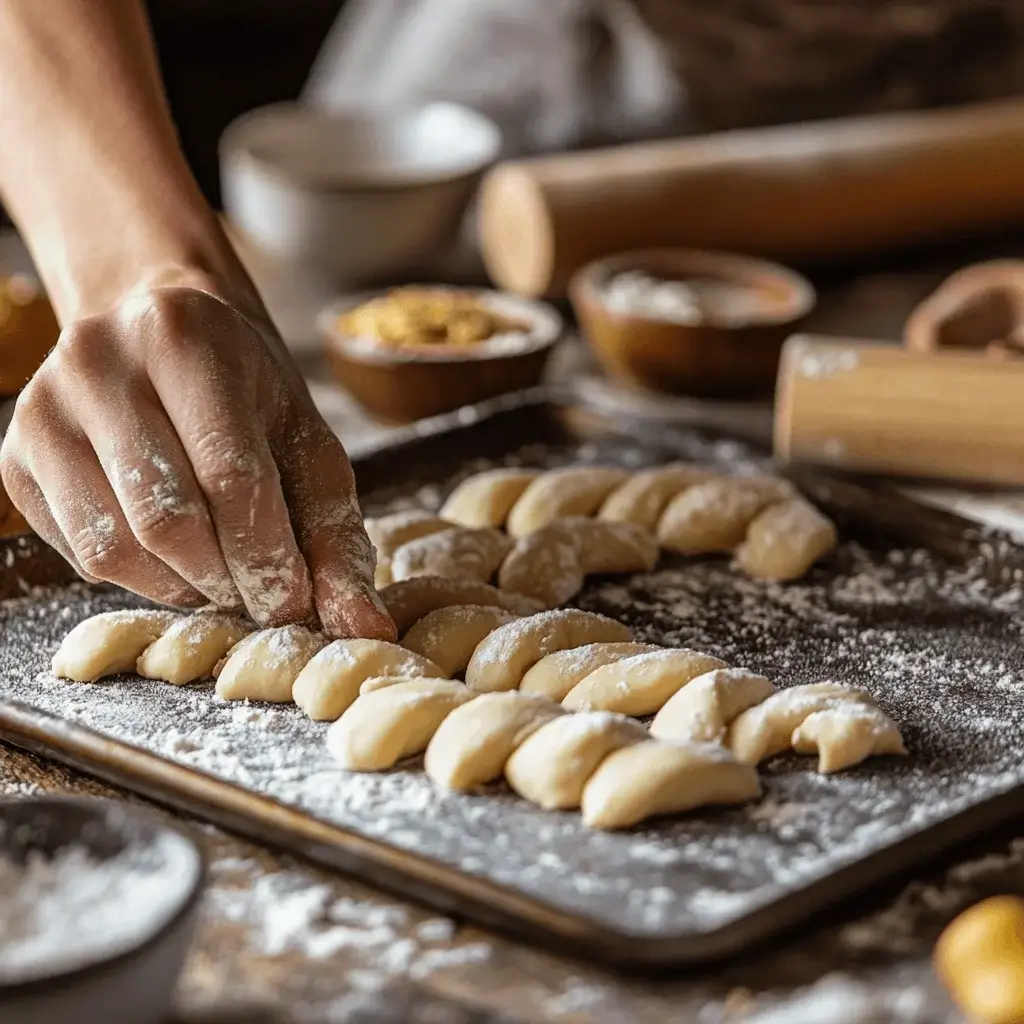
(420, 351)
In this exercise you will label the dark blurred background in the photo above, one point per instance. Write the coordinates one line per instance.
(223, 57)
(742, 62)
(786, 59)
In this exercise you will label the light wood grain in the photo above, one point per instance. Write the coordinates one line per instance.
(814, 190)
(878, 408)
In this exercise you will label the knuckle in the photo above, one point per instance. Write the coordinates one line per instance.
(101, 549)
(160, 527)
(224, 463)
(81, 348)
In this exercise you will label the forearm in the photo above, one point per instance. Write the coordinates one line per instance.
(90, 166)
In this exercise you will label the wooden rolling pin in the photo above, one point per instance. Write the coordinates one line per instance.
(876, 408)
(794, 193)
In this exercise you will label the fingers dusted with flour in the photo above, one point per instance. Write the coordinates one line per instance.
(231, 490)
(320, 487)
(168, 443)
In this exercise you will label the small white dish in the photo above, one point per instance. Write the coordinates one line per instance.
(358, 194)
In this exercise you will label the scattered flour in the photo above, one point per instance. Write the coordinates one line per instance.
(938, 645)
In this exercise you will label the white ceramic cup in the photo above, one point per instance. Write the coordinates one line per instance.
(358, 195)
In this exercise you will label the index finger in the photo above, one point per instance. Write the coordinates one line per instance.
(318, 481)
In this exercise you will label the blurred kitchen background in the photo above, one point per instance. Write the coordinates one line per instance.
(553, 76)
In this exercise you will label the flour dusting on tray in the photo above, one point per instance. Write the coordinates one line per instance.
(939, 646)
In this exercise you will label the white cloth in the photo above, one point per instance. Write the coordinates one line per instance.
(553, 74)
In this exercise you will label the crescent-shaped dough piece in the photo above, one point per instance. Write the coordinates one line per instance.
(330, 681)
(448, 636)
(846, 735)
(461, 553)
(475, 740)
(768, 727)
(639, 685)
(713, 517)
(784, 540)
(647, 780)
(503, 658)
(264, 665)
(545, 566)
(645, 495)
(383, 726)
(192, 647)
(576, 491)
(485, 499)
(701, 711)
(109, 643)
(407, 602)
(551, 767)
(555, 675)
(607, 547)
(389, 533)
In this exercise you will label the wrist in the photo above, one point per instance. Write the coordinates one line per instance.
(99, 273)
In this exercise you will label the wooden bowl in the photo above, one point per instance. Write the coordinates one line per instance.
(28, 330)
(703, 359)
(403, 385)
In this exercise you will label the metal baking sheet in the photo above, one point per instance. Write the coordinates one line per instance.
(916, 605)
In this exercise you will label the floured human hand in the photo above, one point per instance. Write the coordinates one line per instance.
(171, 447)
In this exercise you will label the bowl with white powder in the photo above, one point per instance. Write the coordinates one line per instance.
(708, 324)
(97, 905)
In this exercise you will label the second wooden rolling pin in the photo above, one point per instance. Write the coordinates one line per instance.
(874, 408)
(801, 192)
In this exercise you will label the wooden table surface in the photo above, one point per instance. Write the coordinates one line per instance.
(281, 941)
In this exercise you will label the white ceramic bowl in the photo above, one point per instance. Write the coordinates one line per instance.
(357, 195)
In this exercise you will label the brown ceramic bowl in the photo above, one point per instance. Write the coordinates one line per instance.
(735, 356)
(403, 385)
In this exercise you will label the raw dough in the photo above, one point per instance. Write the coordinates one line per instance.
(109, 643)
(684, 508)
(383, 726)
(645, 495)
(389, 533)
(647, 780)
(486, 499)
(607, 547)
(639, 685)
(555, 675)
(846, 735)
(192, 647)
(544, 566)
(784, 540)
(330, 681)
(551, 767)
(448, 636)
(702, 710)
(475, 740)
(503, 658)
(768, 727)
(712, 518)
(407, 602)
(558, 493)
(264, 665)
(459, 553)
